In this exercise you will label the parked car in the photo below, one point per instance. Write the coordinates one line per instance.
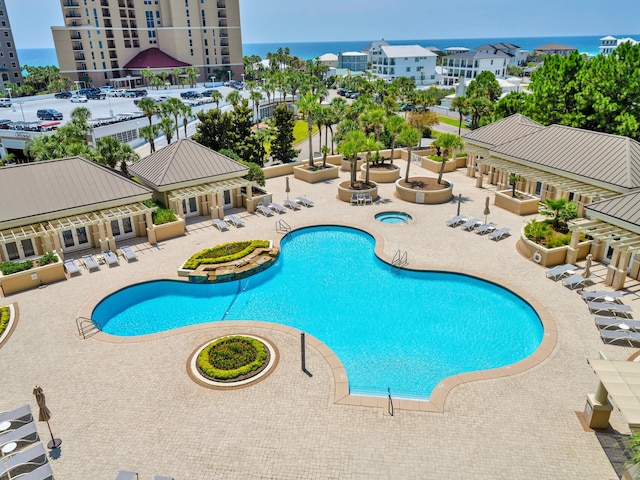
(96, 95)
(106, 88)
(190, 94)
(63, 95)
(49, 114)
(116, 92)
(78, 99)
(135, 93)
(5, 102)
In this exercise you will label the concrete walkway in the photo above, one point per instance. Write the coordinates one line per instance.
(131, 405)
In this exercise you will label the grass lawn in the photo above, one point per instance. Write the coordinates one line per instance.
(300, 131)
(454, 122)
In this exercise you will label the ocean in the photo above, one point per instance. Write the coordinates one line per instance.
(308, 50)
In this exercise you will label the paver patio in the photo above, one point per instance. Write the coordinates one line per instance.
(131, 405)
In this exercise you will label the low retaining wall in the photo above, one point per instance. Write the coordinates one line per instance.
(311, 176)
(33, 278)
(526, 206)
(550, 256)
(423, 196)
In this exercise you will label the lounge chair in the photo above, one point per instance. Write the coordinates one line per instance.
(486, 228)
(71, 267)
(577, 280)
(602, 296)
(276, 207)
(559, 271)
(26, 433)
(90, 263)
(162, 477)
(264, 210)
(499, 234)
(368, 198)
(354, 199)
(24, 458)
(614, 323)
(111, 258)
(291, 204)
(457, 220)
(304, 201)
(41, 473)
(128, 254)
(614, 336)
(19, 415)
(127, 475)
(471, 224)
(220, 224)
(235, 221)
(610, 309)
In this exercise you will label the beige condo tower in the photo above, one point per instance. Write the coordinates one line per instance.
(109, 42)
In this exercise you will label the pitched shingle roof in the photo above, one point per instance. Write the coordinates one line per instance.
(599, 156)
(153, 58)
(47, 188)
(186, 161)
(624, 207)
(502, 131)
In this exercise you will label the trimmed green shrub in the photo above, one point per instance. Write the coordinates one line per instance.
(543, 234)
(4, 318)
(435, 158)
(163, 215)
(47, 258)
(232, 357)
(7, 268)
(227, 252)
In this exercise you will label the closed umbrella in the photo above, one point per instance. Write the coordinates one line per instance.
(587, 267)
(287, 188)
(44, 415)
(486, 209)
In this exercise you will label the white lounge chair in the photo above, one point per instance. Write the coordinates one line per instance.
(291, 204)
(614, 323)
(35, 455)
(127, 475)
(26, 433)
(111, 258)
(559, 271)
(128, 254)
(471, 224)
(71, 267)
(577, 280)
(304, 202)
(368, 198)
(354, 199)
(457, 220)
(41, 473)
(276, 207)
(610, 309)
(264, 210)
(20, 415)
(162, 477)
(625, 336)
(90, 263)
(220, 224)
(234, 220)
(602, 296)
(499, 234)
(486, 228)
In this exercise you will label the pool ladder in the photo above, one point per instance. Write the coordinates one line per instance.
(86, 326)
(399, 259)
(282, 227)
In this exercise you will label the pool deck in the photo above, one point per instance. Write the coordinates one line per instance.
(130, 404)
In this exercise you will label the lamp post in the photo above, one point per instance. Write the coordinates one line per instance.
(110, 109)
(10, 99)
(22, 111)
(129, 81)
(229, 72)
(242, 74)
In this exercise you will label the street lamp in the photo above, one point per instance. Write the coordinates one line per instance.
(110, 109)
(229, 72)
(10, 99)
(129, 81)
(22, 111)
(242, 74)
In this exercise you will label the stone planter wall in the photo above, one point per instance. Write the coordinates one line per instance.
(380, 176)
(251, 204)
(345, 165)
(550, 256)
(18, 282)
(169, 230)
(425, 197)
(310, 176)
(434, 166)
(527, 206)
(344, 194)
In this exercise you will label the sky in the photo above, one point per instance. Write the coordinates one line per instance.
(271, 21)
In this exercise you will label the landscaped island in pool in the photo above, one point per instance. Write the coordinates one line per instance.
(398, 329)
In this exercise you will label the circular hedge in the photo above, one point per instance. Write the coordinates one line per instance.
(227, 252)
(232, 357)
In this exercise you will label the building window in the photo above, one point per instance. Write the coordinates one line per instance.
(6, 34)
(408, 69)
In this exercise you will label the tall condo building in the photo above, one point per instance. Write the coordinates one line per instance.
(10, 71)
(112, 41)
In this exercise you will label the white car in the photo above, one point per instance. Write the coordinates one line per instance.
(79, 99)
(116, 93)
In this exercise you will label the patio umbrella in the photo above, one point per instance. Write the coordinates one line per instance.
(44, 415)
(587, 267)
(486, 209)
(287, 188)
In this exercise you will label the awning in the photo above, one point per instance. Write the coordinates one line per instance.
(210, 188)
(617, 237)
(557, 181)
(75, 221)
(622, 381)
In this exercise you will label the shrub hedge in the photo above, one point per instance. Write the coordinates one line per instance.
(208, 369)
(4, 318)
(7, 268)
(227, 252)
(47, 258)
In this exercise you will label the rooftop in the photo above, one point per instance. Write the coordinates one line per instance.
(396, 51)
(153, 58)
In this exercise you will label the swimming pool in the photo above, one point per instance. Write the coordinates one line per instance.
(398, 329)
(393, 217)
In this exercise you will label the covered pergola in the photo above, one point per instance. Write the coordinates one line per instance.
(211, 195)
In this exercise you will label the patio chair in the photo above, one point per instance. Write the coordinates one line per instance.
(26, 433)
(577, 280)
(111, 258)
(71, 267)
(276, 207)
(354, 199)
(615, 336)
(368, 199)
(41, 473)
(610, 309)
(162, 477)
(602, 296)
(127, 475)
(499, 234)
(471, 224)
(90, 263)
(559, 271)
(128, 253)
(20, 415)
(457, 220)
(614, 323)
(291, 204)
(486, 228)
(220, 224)
(304, 202)
(264, 210)
(235, 221)
(24, 458)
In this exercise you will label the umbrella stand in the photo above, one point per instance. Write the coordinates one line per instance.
(44, 415)
(55, 442)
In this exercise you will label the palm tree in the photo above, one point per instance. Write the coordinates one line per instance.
(192, 74)
(448, 143)
(459, 104)
(409, 137)
(352, 144)
(375, 118)
(216, 96)
(149, 133)
(80, 120)
(308, 105)
(176, 74)
(256, 96)
(370, 144)
(395, 124)
(561, 210)
(234, 98)
(149, 108)
(108, 149)
(513, 179)
(325, 151)
(187, 114)
(172, 106)
(168, 127)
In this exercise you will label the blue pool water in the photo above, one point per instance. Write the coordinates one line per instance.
(393, 217)
(403, 330)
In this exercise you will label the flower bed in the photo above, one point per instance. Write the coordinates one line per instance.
(4, 319)
(226, 252)
(230, 358)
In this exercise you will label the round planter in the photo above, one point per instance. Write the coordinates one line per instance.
(382, 175)
(429, 197)
(314, 176)
(344, 192)
(345, 165)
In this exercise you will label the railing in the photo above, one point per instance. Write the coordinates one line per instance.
(390, 405)
(417, 159)
(86, 326)
(282, 227)
(399, 259)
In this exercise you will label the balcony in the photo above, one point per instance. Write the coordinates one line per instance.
(75, 36)
(127, 44)
(81, 67)
(224, 34)
(134, 34)
(222, 15)
(111, 44)
(132, 14)
(222, 23)
(113, 54)
(115, 65)
(79, 57)
(134, 25)
(123, 13)
(70, 3)
(109, 33)
(77, 46)
(106, 13)
(226, 61)
(72, 15)
(221, 5)
(121, 4)
(224, 51)
(126, 34)
(107, 24)
(224, 43)
(136, 44)
(125, 24)
(104, 3)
